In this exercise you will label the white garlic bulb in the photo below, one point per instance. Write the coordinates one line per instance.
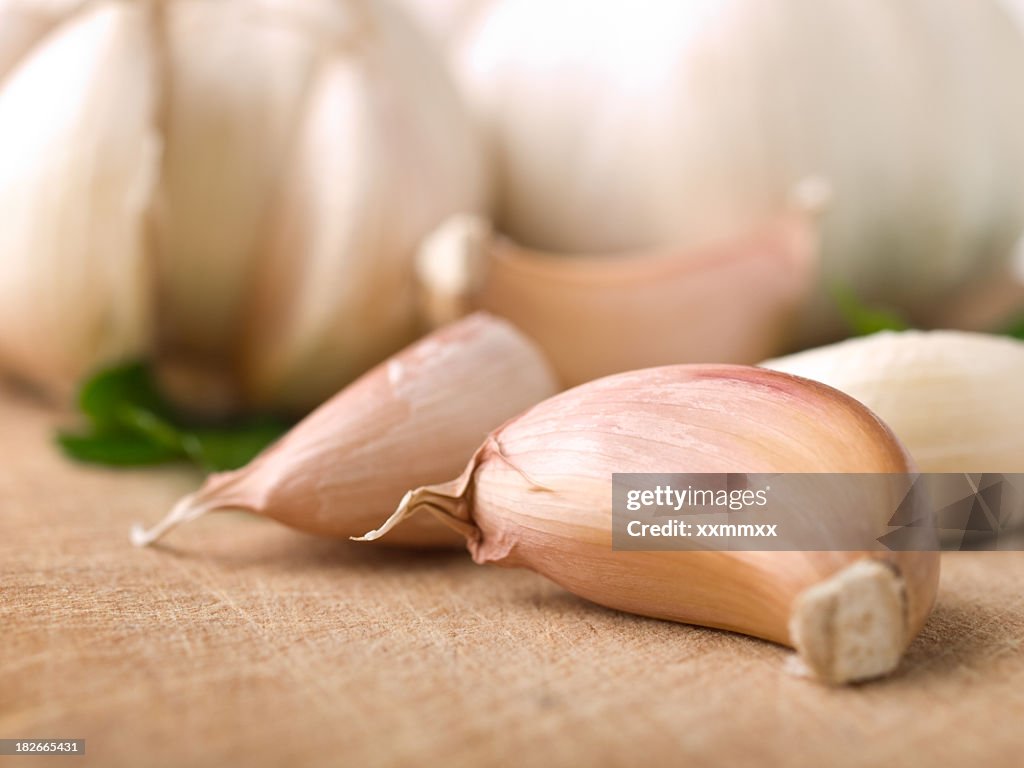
(236, 187)
(624, 124)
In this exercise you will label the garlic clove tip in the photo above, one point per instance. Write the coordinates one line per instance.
(406, 507)
(140, 536)
(185, 510)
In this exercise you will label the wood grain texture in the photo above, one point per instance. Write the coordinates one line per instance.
(244, 643)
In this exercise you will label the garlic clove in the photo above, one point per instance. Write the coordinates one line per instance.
(331, 296)
(599, 314)
(413, 419)
(235, 79)
(537, 494)
(377, 161)
(953, 398)
(78, 158)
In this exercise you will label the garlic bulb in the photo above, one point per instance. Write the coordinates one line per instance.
(953, 398)
(413, 419)
(235, 188)
(594, 315)
(620, 125)
(537, 494)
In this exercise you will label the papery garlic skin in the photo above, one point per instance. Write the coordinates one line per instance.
(538, 495)
(953, 398)
(255, 175)
(619, 125)
(414, 419)
(598, 314)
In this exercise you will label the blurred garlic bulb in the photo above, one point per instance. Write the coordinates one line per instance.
(954, 399)
(597, 314)
(235, 188)
(620, 125)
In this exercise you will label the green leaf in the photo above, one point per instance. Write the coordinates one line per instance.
(105, 397)
(863, 320)
(122, 450)
(1016, 330)
(131, 424)
(149, 425)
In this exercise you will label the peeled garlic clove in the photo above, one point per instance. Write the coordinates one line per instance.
(413, 419)
(600, 314)
(537, 494)
(953, 398)
(78, 156)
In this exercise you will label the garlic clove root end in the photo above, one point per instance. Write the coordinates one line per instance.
(853, 626)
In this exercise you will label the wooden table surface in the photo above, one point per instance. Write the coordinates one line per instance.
(243, 643)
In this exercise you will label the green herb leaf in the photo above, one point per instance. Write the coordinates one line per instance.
(105, 398)
(1016, 330)
(147, 424)
(863, 320)
(120, 450)
(131, 424)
